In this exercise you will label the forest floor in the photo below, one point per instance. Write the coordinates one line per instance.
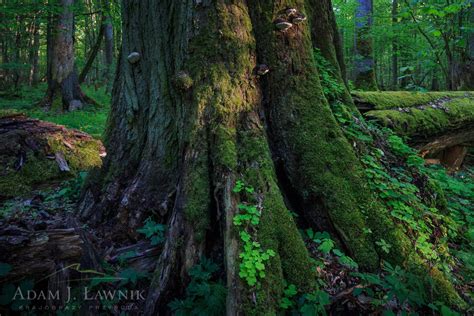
(51, 207)
(90, 120)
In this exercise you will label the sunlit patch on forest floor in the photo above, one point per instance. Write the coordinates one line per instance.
(91, 119)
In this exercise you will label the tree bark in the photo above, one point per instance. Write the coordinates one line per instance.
(365, 66)
(17, 74)
(467, 78)
(191, 116)
(109, 45)
(324, 30)
(94, 50)
(63, 83)
(394, 45)
(34, 52)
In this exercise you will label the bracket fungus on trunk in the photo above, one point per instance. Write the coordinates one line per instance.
(299, 18)
(262, 69)
(282, 24)
(134, 57)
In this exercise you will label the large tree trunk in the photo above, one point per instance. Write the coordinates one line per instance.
(365, 66)
(193, 112)
(63, 84)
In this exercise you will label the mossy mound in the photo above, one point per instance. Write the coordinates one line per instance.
(31, 151)
(428, 120)
(384, 100)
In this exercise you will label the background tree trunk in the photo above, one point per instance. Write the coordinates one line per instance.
(467, 79)
(17, 74)
(191, 116)
(394, 45)
(109, 45)
(365, 66)
(94, 49)
(324, 30)
(34, 52)
(63, 84)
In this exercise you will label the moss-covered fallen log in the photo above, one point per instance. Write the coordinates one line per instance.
(434, 122)
(385, 100)
(428, 120)
(34, 152)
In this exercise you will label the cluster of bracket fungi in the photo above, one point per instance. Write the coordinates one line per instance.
(289, 18)
(286, 20)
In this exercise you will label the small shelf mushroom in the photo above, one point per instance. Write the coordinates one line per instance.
(282, 24)
(290, 12)
(298, 19)
(262, 69)
(133, 58)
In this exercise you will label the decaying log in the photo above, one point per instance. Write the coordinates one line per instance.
(436, 123)
(33, 152)
(19, 133)
(140, 256)
(62, 163)
(49, 248)
(450, 149)
(12, 124)
(37, 253)
(453, 157)
(437, 144)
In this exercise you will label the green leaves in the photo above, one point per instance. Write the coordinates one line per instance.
(330, 84)
(253, 257)
(385, 246)
(311, 304)
(250, 215)
(289, 294)
(203, 295)
(314, 303)
(130, 275)
(326, 245)
(5, 268)
(153, 231)
(241, 187)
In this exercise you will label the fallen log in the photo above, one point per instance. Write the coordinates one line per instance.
(49, 248)
(386, 100)
(37, 254)
(34, 152)
(428, 121)
(463, 137)
(438, 124)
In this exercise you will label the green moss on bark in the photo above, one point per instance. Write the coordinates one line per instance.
(317, 158)
(277, 229)
(383, 100)
(197, 200)
(427, 121)
(38, 169)
(225, 151)
(225, 93)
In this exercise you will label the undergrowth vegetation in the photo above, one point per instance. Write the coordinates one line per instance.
(205, 295)
(253, 257)
(434, 207)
